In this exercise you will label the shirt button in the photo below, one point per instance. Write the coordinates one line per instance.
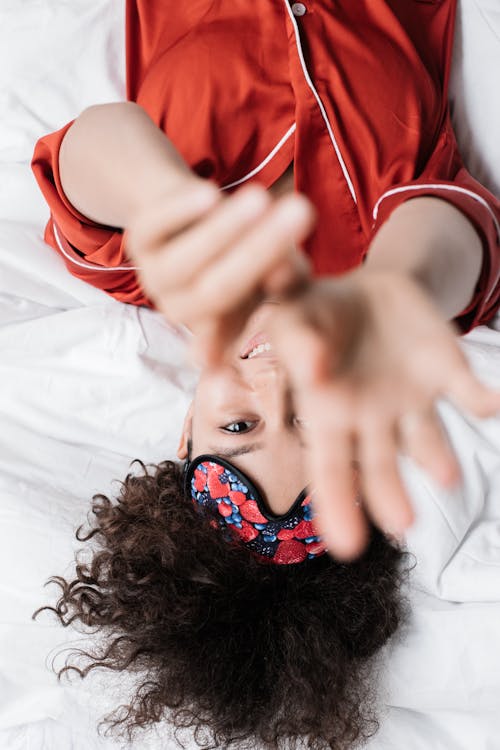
(299, 9)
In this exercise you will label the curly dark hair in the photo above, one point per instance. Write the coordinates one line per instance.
(236, 648)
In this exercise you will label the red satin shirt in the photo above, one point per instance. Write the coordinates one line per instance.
(355, 93)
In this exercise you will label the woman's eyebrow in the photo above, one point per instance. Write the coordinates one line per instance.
(233, 452)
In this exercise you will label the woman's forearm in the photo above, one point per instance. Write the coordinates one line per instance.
(113, 159)
(436, 244)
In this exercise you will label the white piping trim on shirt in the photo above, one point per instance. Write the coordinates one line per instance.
(457, 189)
(91, 266)
(264, 162)
(320, 104)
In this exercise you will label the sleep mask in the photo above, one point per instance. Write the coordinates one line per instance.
(236, 505)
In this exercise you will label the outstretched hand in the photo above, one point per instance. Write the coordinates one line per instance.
(367, 356)
(204, 257)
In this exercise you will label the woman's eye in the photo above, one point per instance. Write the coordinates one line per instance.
(242, 426)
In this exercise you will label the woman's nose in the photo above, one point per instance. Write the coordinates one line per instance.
(265, 374)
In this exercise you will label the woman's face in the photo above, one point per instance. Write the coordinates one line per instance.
(244, 412)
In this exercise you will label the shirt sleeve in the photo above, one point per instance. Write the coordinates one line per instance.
(446, 177)
(92, 252)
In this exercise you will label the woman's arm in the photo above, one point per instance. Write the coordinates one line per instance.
(435, 244)
(114, 160)
(200, 256)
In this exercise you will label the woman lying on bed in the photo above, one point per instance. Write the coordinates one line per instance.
(212, 574)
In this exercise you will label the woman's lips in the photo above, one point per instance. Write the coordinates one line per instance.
(260, 339)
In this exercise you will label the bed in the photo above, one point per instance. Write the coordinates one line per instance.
(89, 384)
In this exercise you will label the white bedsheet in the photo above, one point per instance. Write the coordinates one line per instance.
(88, 384)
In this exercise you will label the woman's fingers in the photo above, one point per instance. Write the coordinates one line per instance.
(325, 327)
(304, 353)
(213, 265)
(468, 393)
(207, 347)
(423, 438)
(288, 277)
(167, 216)
(204, 257)
(332, 448)
(215, 334)
(197, 249)
(384, 494)
(239, 273)
(218, 332)
(340, 519)
(234, 286)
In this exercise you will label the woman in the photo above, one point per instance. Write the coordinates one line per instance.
(383, 172)
(374, 156)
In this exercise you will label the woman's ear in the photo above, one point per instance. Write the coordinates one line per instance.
(182, 448)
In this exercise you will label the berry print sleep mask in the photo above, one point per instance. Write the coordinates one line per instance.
(223, 491)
